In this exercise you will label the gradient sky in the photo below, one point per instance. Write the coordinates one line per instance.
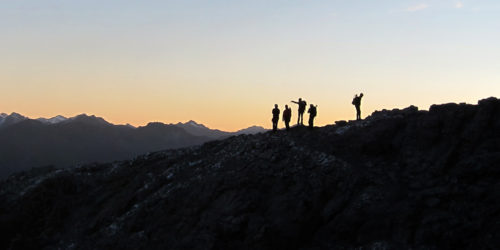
(226, 63)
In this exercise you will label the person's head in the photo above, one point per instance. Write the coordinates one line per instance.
(361, 95)
(276, 105)
(300, 99)
(356, 95)
(312, 106)
(286, 106)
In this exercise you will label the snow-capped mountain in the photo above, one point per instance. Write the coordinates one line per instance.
(53, 120)
(13, 118)
(192, 127)
(198, 129)
(62, 141)
(2, 117)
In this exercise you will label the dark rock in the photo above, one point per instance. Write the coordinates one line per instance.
(341, 123)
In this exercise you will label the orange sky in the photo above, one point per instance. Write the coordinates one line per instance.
(226, 64)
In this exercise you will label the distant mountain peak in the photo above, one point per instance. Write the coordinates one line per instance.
(3, 115)
(193, 123)
(16, 115)
(155, 124)
(89, 119)
(13, 118)
(251, 130)
(53, 120)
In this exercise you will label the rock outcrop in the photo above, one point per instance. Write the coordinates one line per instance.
(399, 179)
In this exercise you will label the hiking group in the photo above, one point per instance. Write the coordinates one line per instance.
(287, 113)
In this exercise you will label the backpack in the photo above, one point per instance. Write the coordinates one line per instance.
(356, 101)
(313, 111)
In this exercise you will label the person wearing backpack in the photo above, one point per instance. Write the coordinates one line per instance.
(312, 113)
(287, 116)
(302, 107)
(356, 101)
(276, 117)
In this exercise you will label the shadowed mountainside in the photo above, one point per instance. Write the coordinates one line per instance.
(399, 179)
(62, 142)
(84, 139)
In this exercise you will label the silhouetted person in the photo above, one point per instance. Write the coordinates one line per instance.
(312, 113)
(356, 101)
(302, 108)
(276, 117)
(287, 116)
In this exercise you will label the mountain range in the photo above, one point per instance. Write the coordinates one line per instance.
(399, 179)
(61, 141)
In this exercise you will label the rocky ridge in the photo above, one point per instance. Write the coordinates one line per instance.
(399, 179)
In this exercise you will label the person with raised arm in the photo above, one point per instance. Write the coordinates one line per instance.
(302, 108)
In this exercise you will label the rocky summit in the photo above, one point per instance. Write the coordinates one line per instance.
(399, 179)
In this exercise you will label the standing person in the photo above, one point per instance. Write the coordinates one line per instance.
(276, 117)
(356, 101)
(312, 113)
(287, 116)
(302, 107)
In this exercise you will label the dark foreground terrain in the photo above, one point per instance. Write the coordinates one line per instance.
(399, 179)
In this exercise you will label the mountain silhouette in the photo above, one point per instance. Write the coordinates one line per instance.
(53, 120)
(201, 130)
(400, 179)
(197, 129)
(8, 120)
(64, 142)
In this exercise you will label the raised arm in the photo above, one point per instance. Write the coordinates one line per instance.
(295, 102)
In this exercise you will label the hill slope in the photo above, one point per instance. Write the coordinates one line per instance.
(399, 179)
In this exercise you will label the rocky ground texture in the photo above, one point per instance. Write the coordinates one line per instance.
(399, 179)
